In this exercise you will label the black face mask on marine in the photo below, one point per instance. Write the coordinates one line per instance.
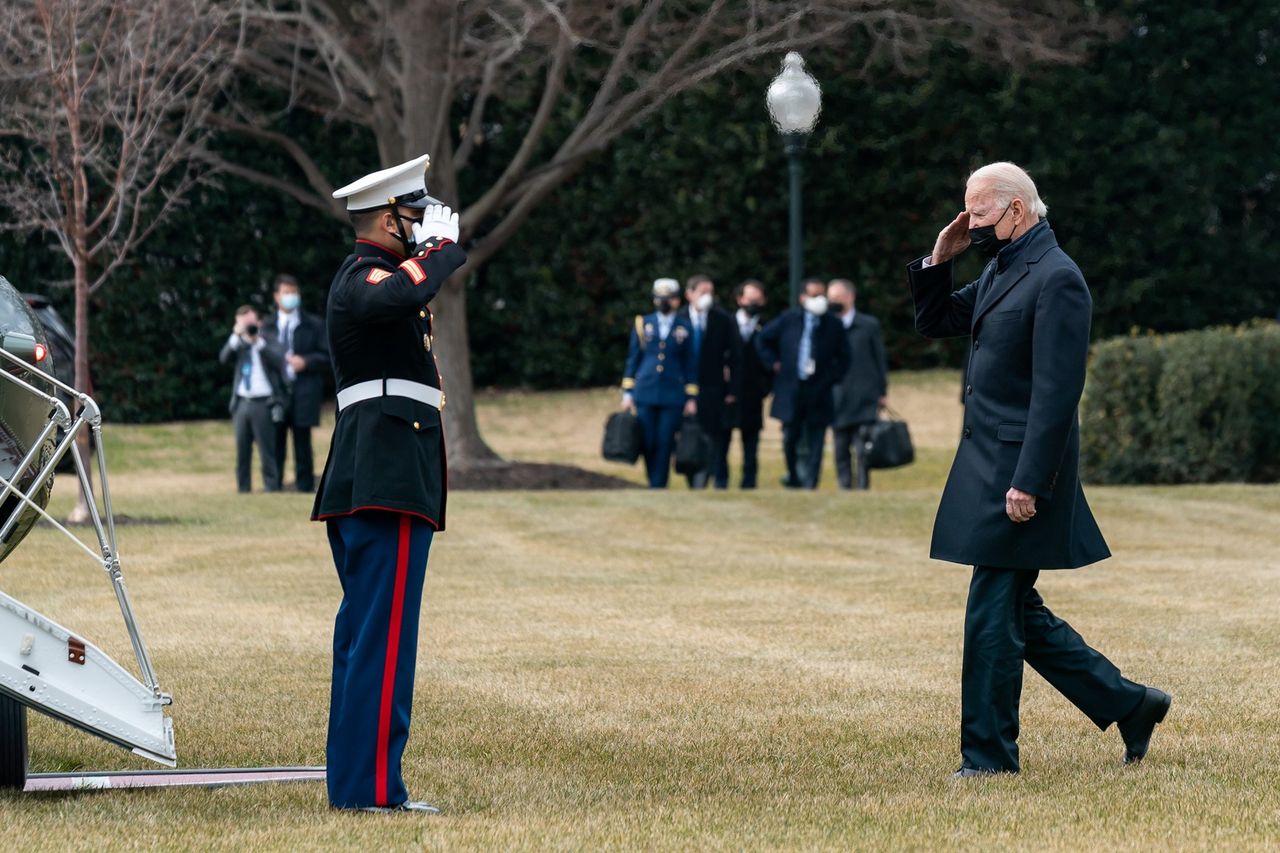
(984, 239)
(665, 306)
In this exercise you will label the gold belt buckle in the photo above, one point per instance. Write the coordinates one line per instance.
(443, 400)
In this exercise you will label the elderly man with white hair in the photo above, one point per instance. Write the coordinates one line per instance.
(1013, 504)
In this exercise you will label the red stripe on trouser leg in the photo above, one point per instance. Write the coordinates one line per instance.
(389, 669)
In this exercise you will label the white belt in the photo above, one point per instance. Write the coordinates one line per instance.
(362, 391)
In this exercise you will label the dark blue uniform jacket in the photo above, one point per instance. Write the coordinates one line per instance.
(387, 452)
(661, 372)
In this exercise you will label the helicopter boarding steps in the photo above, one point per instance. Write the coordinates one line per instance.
(44, 665)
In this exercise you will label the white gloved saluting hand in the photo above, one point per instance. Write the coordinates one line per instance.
(437, 221)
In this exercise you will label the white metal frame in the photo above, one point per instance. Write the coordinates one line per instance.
(41, 664)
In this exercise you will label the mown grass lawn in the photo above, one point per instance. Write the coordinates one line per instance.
(633, 669)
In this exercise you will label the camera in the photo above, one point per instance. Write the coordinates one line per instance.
(252, 330)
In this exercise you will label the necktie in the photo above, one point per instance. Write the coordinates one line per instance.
(806, 347)
(246, 370)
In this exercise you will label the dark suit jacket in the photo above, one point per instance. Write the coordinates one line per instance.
(757, 381)
(857, 395)
(1029, 317)
(272, 359)
(779, 342)
(719, 368)
(307, 390)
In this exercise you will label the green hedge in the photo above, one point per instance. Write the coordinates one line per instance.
(1195, 407)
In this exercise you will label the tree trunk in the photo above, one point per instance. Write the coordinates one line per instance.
(80, 513)
(422, 131)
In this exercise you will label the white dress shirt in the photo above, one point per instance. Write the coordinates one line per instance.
(665, 322)
(698, 319)
(259, 384)
(746, 323)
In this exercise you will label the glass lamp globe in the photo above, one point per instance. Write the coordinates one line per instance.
(794, 97)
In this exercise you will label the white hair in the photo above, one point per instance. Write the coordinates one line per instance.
(1009, 181)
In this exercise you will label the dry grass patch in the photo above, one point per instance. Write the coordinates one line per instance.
(672, 670)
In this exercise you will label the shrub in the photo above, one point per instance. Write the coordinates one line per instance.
(1195, 407)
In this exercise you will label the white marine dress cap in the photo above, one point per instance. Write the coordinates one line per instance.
(403, 185)
(666, 287)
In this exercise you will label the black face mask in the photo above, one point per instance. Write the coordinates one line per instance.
(407, 239)
(984, 239)
(665, 306)
(752, 309)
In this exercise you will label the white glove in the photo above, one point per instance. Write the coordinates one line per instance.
(437, 221)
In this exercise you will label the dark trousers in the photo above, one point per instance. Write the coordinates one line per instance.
(844, 438)
(251, 422)
(719, 470)
(659, 424)
(304, 466)
(381, 558)
(1005, 624)
(802, 448)
(750, 457)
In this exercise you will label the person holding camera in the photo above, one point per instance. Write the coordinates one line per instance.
(257, 397)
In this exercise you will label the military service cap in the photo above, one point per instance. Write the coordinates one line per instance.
(404, 185)
(666, 287)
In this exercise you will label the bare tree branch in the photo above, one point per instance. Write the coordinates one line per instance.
(483, 206)
(400, 70)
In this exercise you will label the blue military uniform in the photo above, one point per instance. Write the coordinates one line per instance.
(661, 377)
(382, 497)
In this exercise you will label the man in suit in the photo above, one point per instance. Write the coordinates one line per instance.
(659, 382)
(757, 378)
(300, 336)
(808, 352)
(257, 398)
(383, 492)
(717, 351)
(1013, 504)
(865, 386)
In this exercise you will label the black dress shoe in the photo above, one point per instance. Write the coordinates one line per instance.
(973, 772)
(1136, 728)
(406, 806)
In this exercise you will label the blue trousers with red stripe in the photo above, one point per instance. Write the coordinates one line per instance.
(381, 559)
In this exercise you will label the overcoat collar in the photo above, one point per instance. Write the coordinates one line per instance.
(1014, 262)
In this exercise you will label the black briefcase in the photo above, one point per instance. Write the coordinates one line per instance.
(693, 448)
(887, 443)
(623, 438)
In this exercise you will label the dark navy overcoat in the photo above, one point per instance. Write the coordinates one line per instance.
(1028, 315)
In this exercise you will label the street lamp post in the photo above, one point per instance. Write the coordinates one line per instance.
(795, 100)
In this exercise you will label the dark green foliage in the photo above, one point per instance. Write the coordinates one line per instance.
(1120, 419)
(1194, 407)
(1157, 159)
(1156, 156)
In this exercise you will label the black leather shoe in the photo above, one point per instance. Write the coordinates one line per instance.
(1136, 728)
(406, 806)
(974, 772)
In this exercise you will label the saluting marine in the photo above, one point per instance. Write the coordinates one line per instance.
(660, 381)
(382, 494)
